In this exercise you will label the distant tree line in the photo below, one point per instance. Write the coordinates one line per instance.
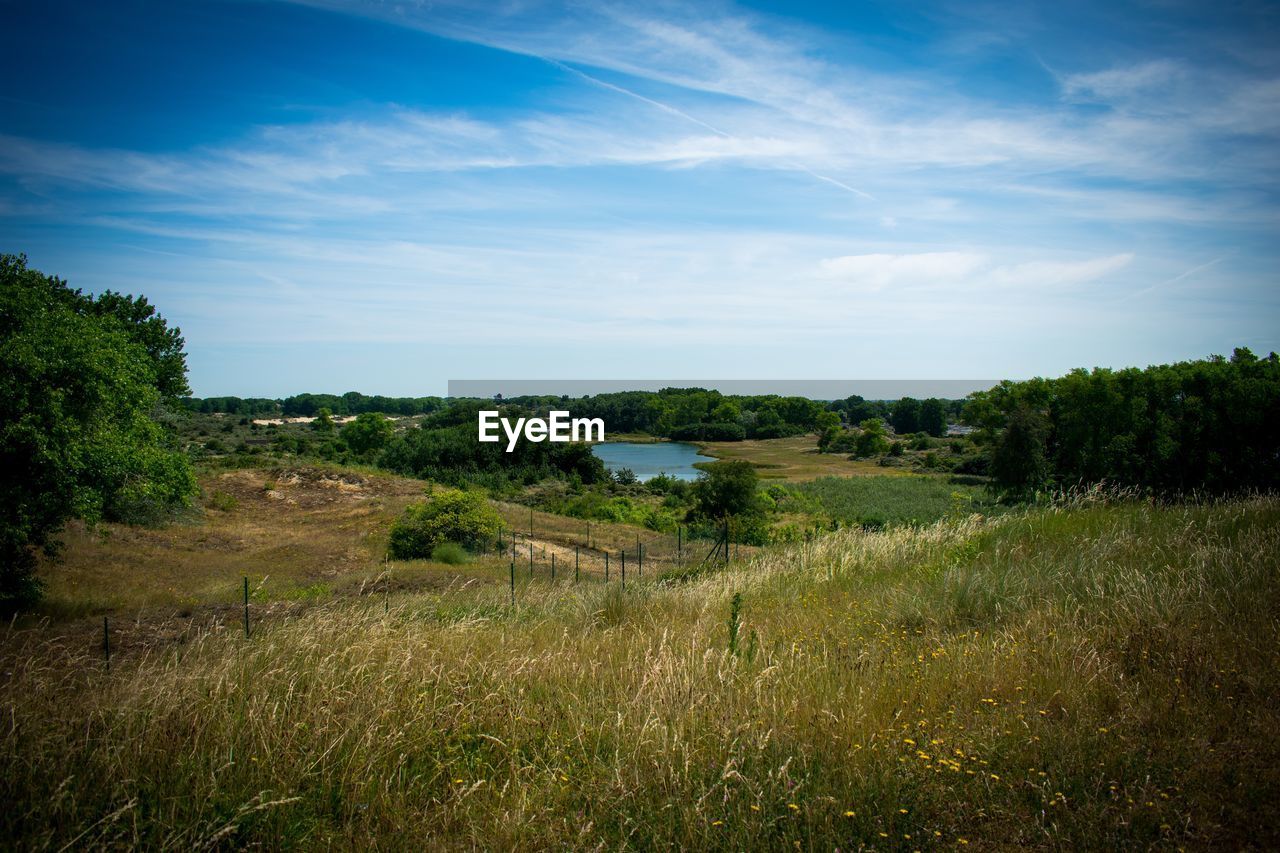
(444, 448)
(1211, 425)
(309, 405)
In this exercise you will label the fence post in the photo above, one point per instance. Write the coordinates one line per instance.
(575, 563)
(530, 561)
(513, 581)
(606, 566)
(624, 569)
(246, 605)
(553, 566)
(640, 560)
(106, 642)
(679, 545)
(588, 534)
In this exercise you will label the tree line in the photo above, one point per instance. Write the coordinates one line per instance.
(1209, 425)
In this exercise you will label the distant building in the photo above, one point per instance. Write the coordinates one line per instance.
(954, 430)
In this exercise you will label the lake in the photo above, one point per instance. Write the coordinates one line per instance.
(673, 458)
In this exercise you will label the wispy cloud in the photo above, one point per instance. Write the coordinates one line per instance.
(698, 174)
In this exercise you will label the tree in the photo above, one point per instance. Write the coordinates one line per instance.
(368, 433)
(77, 436)
(1018, 463)
(148, 329)
(933, 417)
(871, 441)
(726, 489)
(323, 421)
(906, 415)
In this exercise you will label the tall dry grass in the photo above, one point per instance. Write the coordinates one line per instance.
(1093, 675)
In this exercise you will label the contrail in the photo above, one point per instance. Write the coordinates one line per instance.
(1176, 278)
(667, 108)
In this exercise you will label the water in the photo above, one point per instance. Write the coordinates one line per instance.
(673, 458)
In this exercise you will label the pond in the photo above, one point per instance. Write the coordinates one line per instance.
(648, 460)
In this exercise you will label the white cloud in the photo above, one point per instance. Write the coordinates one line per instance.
(970, 270)
(878, 271)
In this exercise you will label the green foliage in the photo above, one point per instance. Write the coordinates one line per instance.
(1211, 425)
(933, 417)
(323, 421)
(449, 453)
(449, 516)
(906, 415)
(223, 501)
(368, 433)
(877, 501)
(725, 489)
(143, 326)
(714, 431)
(1018, 463)
(625, 477)
(78, 391)
(871, 441)
(451, 553)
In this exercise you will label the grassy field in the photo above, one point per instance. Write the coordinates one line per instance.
(794, 459)
(1081, 677)
(892, 500)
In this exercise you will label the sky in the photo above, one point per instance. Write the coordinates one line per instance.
(335, 195)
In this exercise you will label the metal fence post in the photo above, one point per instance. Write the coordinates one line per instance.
(246, 605)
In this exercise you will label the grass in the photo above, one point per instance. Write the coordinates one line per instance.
(876, 501)
(288, 529)
(1082, 677)
(795, 459)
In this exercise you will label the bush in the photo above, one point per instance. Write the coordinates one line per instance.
(450, 553)
(450, 516)
(222, 501)
(709, 432)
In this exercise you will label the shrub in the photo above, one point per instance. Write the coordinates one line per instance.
(450, 553)
(450, 516)
(222, 501)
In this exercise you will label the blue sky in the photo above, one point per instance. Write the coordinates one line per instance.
(340, 194)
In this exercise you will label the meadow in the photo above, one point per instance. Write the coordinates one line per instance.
(1092, 674)
(794, 459)
(875, 501)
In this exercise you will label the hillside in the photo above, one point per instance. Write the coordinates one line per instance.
(1086, 676)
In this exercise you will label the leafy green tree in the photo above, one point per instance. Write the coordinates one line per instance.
(450, 516)
(933, 417)
(726, 489)
(872, 440)
(1018, 462)
(77, 436)
(906, 415)
(323, 421)
(164, 346)
(368, 433)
